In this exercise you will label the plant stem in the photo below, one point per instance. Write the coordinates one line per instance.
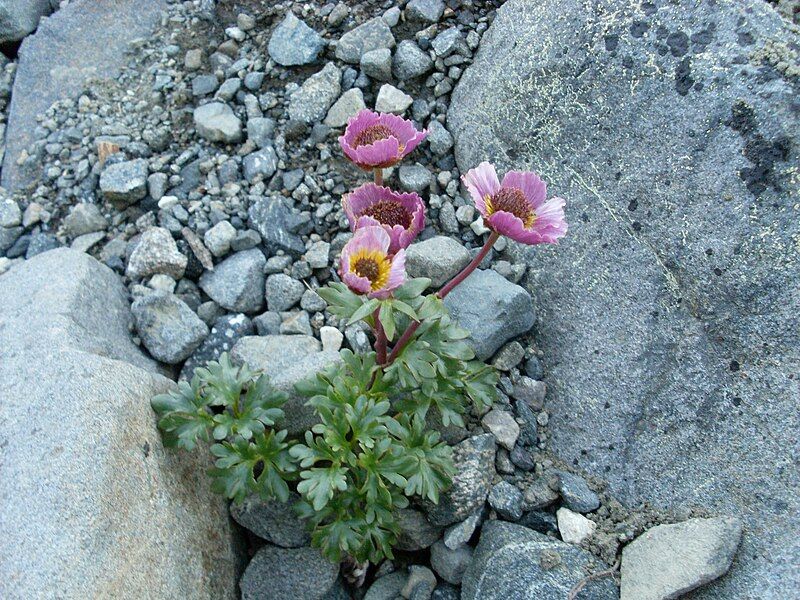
(378, 176)
(465, 272)
(380, 337)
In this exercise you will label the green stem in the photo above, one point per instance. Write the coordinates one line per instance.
(380, 337)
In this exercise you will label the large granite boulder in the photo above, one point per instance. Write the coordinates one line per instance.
(92, 504)
(86, 39)
(669, 315)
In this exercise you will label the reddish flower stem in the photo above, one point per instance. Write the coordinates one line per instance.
(380, 337)
(378, 176)
(465, 272)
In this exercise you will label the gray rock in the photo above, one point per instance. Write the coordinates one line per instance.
(474, 459)
(416, 532)
(392, 100)
(273, 521)
(268, 323)
(387, 587)
(296, 323)
(425, 11)
(216, 122)
(317, 256)
(61, 40)
(450, 564)
(39, 243)
(18, 18)
(345, 107)
(298, 573)
(218, 239)
(312, 301)
(311, 101)
(203, 85)
(439, 139)
(84, 218)
(507, 501)
(64, 334)
(493, 309)
(277, 224)
(283, 292)
(169, 329)
(414, 178)
(124, 183)
(512, 561)
(439, 258)
(287, 359)
(635, 379)
(368, 36)
(294, 43)
(502, 426)
(573, 527)
(9, 236)
(409, 61)
(531, 392)
(10, 214)
(377, 64)
(509, 356)
(83, 243)
(576, 493)
(237, 283)
(262, 163)
(460, 533)
(668, 561)
(156, 252)
(260, 131)
(225, 332)
(448, 42)
(420, 583)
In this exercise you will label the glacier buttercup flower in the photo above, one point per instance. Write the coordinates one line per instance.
(368, 267)
(402, 215)
(379, 140)
(518, 207)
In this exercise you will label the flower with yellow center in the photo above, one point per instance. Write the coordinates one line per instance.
(368, 268)
(401, 214)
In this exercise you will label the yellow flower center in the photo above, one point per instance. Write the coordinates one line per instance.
(373, 265)
(389, 212)
(511, 200)
(372, 134)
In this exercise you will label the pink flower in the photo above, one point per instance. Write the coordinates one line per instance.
(401, 215)
(373, 140)
(517, 208)
(368, 268)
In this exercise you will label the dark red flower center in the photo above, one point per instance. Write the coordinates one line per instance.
(390, 213)
(512, 200)
(372, 134)
(367, 267)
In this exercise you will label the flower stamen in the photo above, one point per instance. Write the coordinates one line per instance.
(511, 200)
(389, 212)
(372, 134)
(372, 266)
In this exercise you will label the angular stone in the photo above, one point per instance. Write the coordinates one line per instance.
(439, 139)
(345, 107)
(237, 283)
(64, 335)
(416, 532)
(425, 11)
(414, 178)
(450, 564)
(18, 18)
(387, 587)
(409, 61)
(124, 183)
(277, 224)
(287, 359)
(156, 252)
(169, 329)
(273, 521)
(493, 309)
(225, 332)
(474, 460)
(668, 561)
(84, 218)
(61, 41)
(283, 292)
(439, 259)
(262, 163)
(294, 43)
(368, 36)
(688, 360)
(311, 101)
(576, 493)
(392, 100)
(574, 527)
(218, 239)
(512, 561)
(377, 64)
(502, 426)
(506, 499)
(10, 214)
(301, 573)
(216, 122)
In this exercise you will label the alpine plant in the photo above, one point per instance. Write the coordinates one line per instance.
(372, 451)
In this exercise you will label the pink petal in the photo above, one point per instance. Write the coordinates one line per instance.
(530, 183)
(382, 153)
(397, 276)
(481, 182)
(356, 283)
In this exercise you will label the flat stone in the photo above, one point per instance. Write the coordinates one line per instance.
(450, 564)
(449, 41)
(392, 100)
(216, 122)
(311, 101)
(277, 224)
(410, 61)
(84, 218)
(668, 561)
(424, 11)
(416, 532)
(493, 309)
(273, 521)
(237, 283)
(64, 335)
(531, 392)
(502, 426)
(169, 329)
(345, 107)
(574, 527)
(156, 252)
(260, 131)
(377, 64)
(576, 493)
(124, 183)
(414, 178)
(474, 460)
(301, 573)
(371, 35)
(512, 561)
(287, 359)
(62, 40)
(439, 258)
(688, 360)
(294, 43)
